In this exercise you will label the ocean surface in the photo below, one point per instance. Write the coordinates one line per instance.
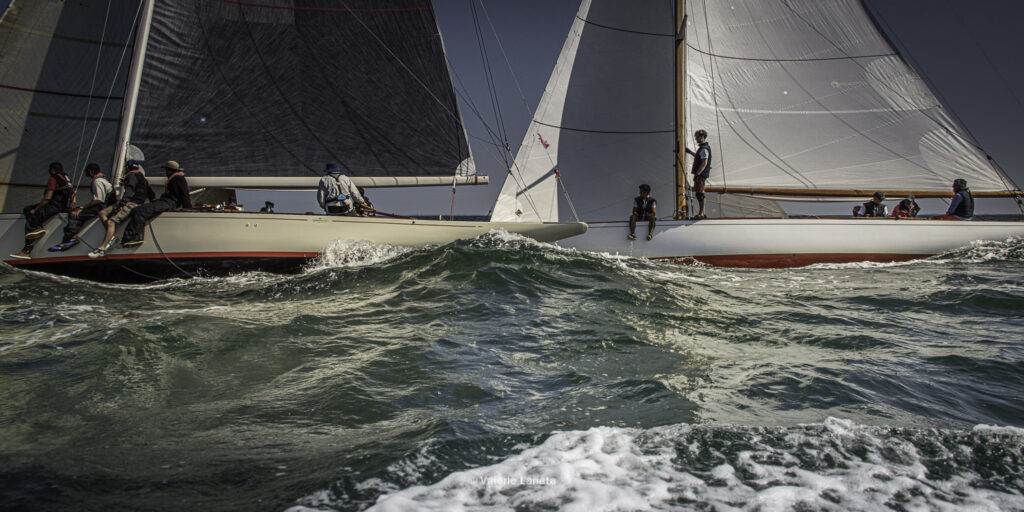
(504, 374)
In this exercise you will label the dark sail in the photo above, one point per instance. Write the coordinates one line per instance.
(59, 61)
(277, 88)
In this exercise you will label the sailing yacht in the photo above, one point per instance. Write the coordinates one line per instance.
(246, 95)
(804, 100)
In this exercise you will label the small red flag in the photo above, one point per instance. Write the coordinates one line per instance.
(542, 141)
(558, 173)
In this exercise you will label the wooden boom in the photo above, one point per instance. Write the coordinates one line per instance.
(838, 192)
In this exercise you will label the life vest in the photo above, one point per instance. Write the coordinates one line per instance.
(644, 207)
(65, 192)
(966, 207)
(697, 161)
(874, 210)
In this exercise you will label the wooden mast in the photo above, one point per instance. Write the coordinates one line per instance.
(124, 133)
(680, 89)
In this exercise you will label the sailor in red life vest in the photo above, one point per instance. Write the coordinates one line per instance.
(175, 197)
(906, 208)
(59, 197)
(644, 208)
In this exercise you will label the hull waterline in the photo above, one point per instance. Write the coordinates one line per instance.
(182, 244)
(781, 243)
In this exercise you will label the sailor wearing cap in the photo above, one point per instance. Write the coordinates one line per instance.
(872, 208)
(336, 193)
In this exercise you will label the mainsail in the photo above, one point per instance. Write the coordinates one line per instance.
(279, 87)
(62, 78)
(794, 93)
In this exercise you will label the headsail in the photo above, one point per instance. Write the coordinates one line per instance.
(62, 77)
(794, 93)
(605, 117)
(278, 87)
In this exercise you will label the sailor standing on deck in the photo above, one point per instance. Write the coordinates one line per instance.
(336, 193)
(701, 168)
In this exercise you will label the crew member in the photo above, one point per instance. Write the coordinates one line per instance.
(59, 197)
(872, 208)
(175, 197)
(962, 205)
(336, 193)
(136, 191)
(644, 208)
(906, 208)
(103, 195)
(701, 169)
(268, 207)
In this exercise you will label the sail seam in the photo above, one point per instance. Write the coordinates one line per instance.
(810, 59)
(617, 29)
(58, 93)
(619, 132)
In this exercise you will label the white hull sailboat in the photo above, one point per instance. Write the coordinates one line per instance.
(804, 100)
(183, 244)
(246, 96)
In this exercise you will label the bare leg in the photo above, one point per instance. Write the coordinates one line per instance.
(650, 228)
(632, 224)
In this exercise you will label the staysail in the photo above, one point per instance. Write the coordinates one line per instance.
(62, 78)
(794, 93)
(276, 88)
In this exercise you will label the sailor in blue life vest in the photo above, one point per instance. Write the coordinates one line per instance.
(59, 197)
(961, 207)
(906, 209)
(644, 208)
(701, 169)
(872, 208)
(336, 193)
(103, 195)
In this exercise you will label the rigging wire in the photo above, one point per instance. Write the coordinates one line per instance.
(1003, 175)
(110, 91)
(88, 104)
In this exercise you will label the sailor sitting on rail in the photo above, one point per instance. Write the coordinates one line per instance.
(962, 205)
(336, 193)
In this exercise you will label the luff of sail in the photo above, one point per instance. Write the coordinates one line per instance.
(277, 88)
(62, 76)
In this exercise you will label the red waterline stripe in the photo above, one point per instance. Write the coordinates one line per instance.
(321, 9)
(789, 260)
(173, 255)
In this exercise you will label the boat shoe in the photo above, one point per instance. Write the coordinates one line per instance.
(22, 255)
(63, 246)
(36, 233)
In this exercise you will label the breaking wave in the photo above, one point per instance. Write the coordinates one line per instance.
(836, 465)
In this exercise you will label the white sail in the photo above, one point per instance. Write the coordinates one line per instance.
(809, 94)
(606, 116)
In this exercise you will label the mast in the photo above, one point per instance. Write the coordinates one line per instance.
(679, 78)
(124, 133)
